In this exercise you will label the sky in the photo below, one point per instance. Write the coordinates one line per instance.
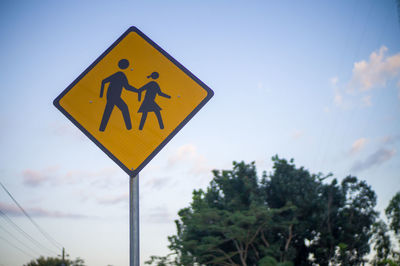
(316, 81)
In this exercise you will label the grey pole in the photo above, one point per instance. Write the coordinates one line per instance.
(134, 220)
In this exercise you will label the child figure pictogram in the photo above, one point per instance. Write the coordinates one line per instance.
(149, 105)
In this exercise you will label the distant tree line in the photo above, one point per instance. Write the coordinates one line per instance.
(287, 217)
(54, 261)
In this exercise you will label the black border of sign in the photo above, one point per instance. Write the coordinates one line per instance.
(209, 91)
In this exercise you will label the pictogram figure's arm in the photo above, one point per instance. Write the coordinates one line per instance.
(164, 95)
(140, 90)
(103, 83)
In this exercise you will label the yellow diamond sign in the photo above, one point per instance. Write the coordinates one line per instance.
(133, 99)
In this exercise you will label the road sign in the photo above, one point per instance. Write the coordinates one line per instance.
(133, 99)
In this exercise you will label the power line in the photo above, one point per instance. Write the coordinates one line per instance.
(333, 136)
(38, 244)
(44, 233)
(11, 244)
(325, 131)
(19, 241)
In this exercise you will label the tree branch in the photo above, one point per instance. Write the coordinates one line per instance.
(240, 250)
(289, 238)
(264, 239)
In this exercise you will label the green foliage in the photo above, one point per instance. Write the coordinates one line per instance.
(270, 261)
(393, 213)
(50, 261)
(385, 251)
(267, 261)
(160, 261)
(285, 263)
(382, 241)
(284, 218)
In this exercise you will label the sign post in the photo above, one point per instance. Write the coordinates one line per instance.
(131, 101)
(134, 254)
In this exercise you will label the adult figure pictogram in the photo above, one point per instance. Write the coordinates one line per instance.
(149, 105)
(117, 81)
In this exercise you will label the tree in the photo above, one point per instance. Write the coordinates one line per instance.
(385, 250)
(356, 219)
(222, 225)
(336, 220)
(51, 261)
(393, 214)
(289, 217)
(382, 244)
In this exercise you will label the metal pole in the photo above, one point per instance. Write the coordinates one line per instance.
(63, 257)
(134, 220)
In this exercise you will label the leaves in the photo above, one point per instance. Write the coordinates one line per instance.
(393, 213)
(51, 261)
(286, 218)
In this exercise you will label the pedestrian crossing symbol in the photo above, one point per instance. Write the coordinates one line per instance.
(132, 100)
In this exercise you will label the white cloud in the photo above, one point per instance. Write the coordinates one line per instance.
(390, 140)
(189, 154)
(36, 178)
(377, 158)
(13, 210)
(337, 94)
(102, 178)
(200, 166)
(334, 81)
(33, 178)
(187, 151)
(366, 100)
(376, 72)
(338, 97)
(159, 215)
(262, 88)
(67, 129)
(297, 134)
(358, 145)
(39, 212)
(157, 182)
(111, 200)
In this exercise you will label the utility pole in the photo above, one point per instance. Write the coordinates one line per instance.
(63, 257)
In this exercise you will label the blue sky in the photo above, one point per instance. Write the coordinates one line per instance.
(310, 80)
